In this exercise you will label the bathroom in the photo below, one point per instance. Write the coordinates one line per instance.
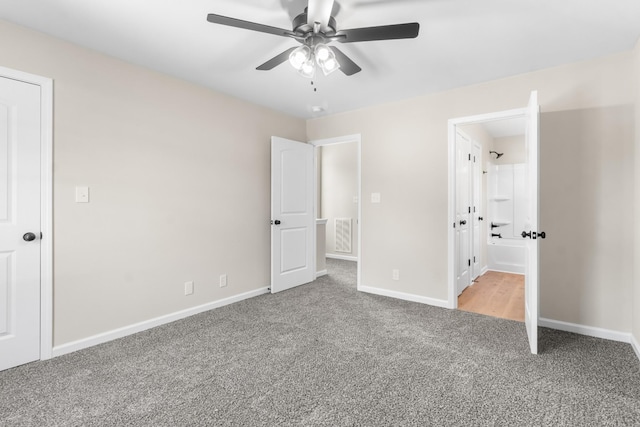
(500, 201)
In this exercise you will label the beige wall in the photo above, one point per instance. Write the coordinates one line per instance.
(179, 179)
(339, 176)
(586, 168)
(636, 281)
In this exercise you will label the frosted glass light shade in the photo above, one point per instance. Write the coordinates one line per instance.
(329, 66)
(322, 53)
(308, 69)
(300, 56)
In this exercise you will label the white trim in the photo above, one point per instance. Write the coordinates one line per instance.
(46, 203)
(635, 345)
(452, 296)
(342, 257)
(151, 323)
(321, 273)
(591, 331)
(404, 296)
(356, 138)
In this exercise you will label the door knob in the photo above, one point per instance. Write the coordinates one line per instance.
(463, 222)
(525, 234)
(277, 222)
(28, 237)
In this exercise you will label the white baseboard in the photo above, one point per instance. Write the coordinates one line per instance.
(342, 257)
(635, 345)
(321, 273)
(151, 323)
(591, 331)
(404, 296)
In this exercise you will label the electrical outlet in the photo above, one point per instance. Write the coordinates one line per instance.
(82, 194)
(396, 274)
(188, 288)
(223, 280)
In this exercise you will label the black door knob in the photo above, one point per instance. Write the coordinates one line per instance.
(277, 222)
(28, 237)
(525, 234)
(463, 222)
(542, 235)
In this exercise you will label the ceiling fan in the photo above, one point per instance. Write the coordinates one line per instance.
(315, 28)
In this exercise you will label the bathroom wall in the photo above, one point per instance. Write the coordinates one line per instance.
(513, 150)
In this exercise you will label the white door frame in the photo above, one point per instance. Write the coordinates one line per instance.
(452, 297)
(357, 139)
(46, 204)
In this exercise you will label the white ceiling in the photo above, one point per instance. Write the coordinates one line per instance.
(506, 127)
(461, 42)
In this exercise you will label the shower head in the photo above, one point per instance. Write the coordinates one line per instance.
(498, 155)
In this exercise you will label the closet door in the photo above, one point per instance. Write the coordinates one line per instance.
(463, 212)
(476, 209)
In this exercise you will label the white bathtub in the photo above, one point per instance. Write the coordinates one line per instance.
(506, 255)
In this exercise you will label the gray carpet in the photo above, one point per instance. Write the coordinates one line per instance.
(324, 355)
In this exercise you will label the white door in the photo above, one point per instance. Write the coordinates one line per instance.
(531, 292)
(292, 214)
(19, 223)
(463, 212)
(476, 214)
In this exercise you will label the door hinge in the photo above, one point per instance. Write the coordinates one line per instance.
(469, 209)
(474, 259)
(469, 263)
(454, 225)
(469, 157)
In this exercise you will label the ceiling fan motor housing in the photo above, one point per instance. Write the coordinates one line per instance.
(301, 26)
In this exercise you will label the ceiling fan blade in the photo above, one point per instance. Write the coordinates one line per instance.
(239, 23)
(347, 66)
(383, 32)
(276, 60)
(319, 11)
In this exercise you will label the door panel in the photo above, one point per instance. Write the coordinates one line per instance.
(463, 204)
(531, 285)
(19, 214)
(292, 213)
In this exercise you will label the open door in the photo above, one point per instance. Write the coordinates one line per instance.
(531, 283)
(292, 214)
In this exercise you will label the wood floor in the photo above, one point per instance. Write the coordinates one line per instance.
(495, 294)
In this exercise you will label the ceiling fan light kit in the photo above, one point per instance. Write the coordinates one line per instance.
(304, 59)
(314, 37)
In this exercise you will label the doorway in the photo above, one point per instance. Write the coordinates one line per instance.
(338, 196)
(460, 211)
(495, 284)
(26, 283)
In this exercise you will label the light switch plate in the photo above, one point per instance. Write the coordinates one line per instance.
(375, 197)
(82, 194)
(188, 288)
